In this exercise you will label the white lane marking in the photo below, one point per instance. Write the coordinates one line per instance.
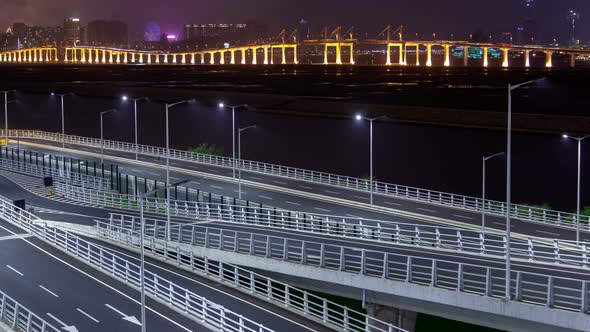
(15, 270)
(48, 291)
(391, 203)
(174, 178)
(57, 320)
(137, 170)
(130, 318)
(154, 174)
(212, 170)
(320, 209)
(427, 210)
(11, 237)
(87, 315)
(460, 216)
(359, 197)
(292, 203)
(255, 178)
(332, 192)
(99, 281)
(555, 234)
(115, 309)
(305, 187)
(216, 187)
(279, 182)
(265, 197)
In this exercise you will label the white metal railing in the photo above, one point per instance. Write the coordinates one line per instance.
(20, 318)
(532, 288)
(197, 308)
(386, 232)
(276, 292)
(64, 175)
(522, 212)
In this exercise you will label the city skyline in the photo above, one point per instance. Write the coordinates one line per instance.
(458, 16)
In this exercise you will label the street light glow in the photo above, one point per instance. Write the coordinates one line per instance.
(565, 136)
(358, 117)
(221, 105)
(124, 98)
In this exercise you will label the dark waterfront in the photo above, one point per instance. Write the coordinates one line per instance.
(434, 157)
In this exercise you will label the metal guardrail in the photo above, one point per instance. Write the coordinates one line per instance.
(531, 288)
(522, 212)
(419, 236)
(20, 318)
(66, 176)
(199, 309)
(276, 292)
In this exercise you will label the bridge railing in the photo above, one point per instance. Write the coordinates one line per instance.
(20, 318)
(418, 236)
(197, 308)
(531, 288)
(498, 208)
(64, 175)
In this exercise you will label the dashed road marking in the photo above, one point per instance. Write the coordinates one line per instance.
(427, 210)
(15, 270)
(48, 291)
(87, 315)
(292, 203)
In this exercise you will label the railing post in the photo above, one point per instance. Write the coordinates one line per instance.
(322, 255)
(460, 281)
(434, 276)
(409, 269)
(550, 291)
(489, 282)
(363, 262)
(342, 260)
(385, 265)
(531, 250)
(584, 297)
(268, 253)
(518, 286)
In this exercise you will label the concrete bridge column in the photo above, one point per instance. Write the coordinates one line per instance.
(283, 55)
(418, 55)
(447, 55)
(244, 56)
(232, 59)
(254, 53)
(96, 56)
(572, 60)
(165, 58)
(202, 55)
(429, 55)
(90, 57)
(104, 56)
(549, 61)
(505, 57)
(212, 58)
(272, 55)
(351, 54)
(35, 55)
(75, 51)
(174, 56)
(110, 56)
(192, 58)
(140, 57)
(326, 54)
(465, 56)
(400, 318)
(156, 58)
(222, 57)
(83, 55)
(183, 59)
(125, 57)
(485, 56)
(401, 55)
(266, 55)
(118, 57)
(132, 57)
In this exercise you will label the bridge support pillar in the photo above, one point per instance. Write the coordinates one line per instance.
(527, 58)
(429, 55)
(465, 56)
(283, 55)
(254, 51)
(549, 61)
(400, 318)
(572, 60)
(505, 58)
(351, 54)
(244, 56)
(233, 57)
(447, 55)
(485, 56)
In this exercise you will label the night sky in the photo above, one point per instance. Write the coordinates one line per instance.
(426, 16)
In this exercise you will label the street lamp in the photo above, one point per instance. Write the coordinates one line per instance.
(63, 128)
(240, 158)
(102, 114)
(126, 98)
(142, 255)
(579, 139)
(359, 117)
(168, 106)
(508, 180)
(6, 102)
(233, 130)
(483, 189)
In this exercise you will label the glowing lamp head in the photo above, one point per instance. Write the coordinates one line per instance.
(221, 105)
(53, 94)
(358, 117)
(124, 98)
(565, 136)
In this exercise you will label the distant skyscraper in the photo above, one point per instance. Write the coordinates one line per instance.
(72, 31)
(530, 24)
(107, 33)
(303, 30)
(152, 32)
(572, 19)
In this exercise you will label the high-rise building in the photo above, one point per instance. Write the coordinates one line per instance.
(107, 33)
(572, 19)
(243, 32)
(72, 31)
(530, 24)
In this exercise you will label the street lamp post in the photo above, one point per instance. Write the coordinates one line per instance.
(509, 183)
(6, 102)
(483, 189)
(142, 254)
(240, 158)
(135, 100)
(168, 106)
(63, 127)
(359, 118)
(578, 221)
(102, 114)
(233, 121)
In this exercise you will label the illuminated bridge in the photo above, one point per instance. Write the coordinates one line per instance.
(338, 48)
